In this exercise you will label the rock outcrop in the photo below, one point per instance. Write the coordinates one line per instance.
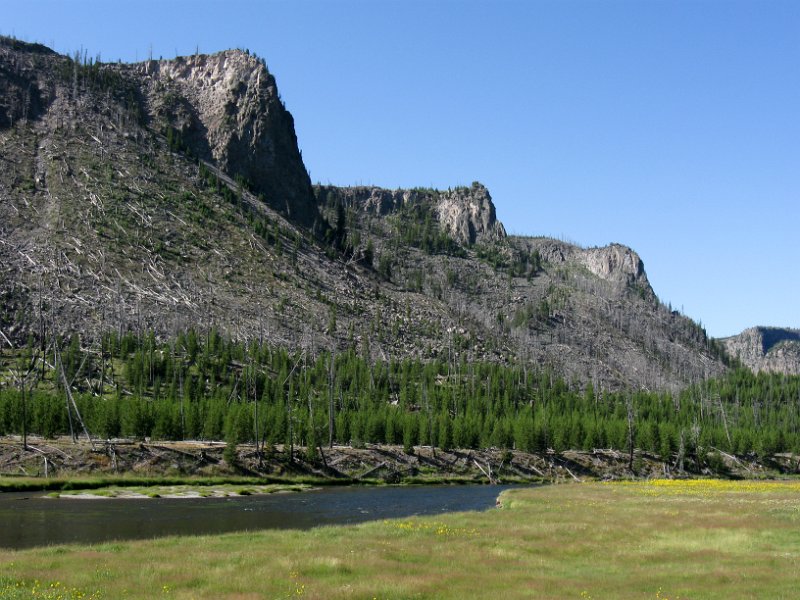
(226, 109)
(467, 214)
(21, 96)
(617, 264)
(769, 349)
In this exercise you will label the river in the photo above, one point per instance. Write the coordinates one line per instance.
(32, 519)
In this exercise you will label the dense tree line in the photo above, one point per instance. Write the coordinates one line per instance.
(208, 387)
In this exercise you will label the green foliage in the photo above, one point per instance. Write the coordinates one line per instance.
(385, 266)
(206, 387)
(516, 263)
(230, 454)
(417, 227)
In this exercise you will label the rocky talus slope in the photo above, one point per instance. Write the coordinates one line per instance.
(171, 194)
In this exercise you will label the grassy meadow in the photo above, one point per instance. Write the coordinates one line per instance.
(657, 539)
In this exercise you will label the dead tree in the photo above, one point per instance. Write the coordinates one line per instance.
(721, 406)
(71, 398)
(331, 379)
(631, 432)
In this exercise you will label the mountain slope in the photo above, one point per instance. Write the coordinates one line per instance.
(170, 194)
(589, 313)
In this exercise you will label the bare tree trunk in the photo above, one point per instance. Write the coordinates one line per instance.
(331, 377)
(430, 422)
(71, 399)
(24, 416)
(724, 418)
(102, 366)
(26, 385)
(290, 419)
(629, 403)
(180, 392)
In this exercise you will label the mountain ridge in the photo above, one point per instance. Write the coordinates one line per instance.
(769, 349)
(134, 199)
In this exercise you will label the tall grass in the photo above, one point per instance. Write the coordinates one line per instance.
(562, 541)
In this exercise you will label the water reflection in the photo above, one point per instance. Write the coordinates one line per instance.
(28, 520)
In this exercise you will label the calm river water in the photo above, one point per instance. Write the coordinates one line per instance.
(31, 519)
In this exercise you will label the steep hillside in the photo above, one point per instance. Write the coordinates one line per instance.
(223, 108)
(769, 349)
(171, 194)
(588, 313)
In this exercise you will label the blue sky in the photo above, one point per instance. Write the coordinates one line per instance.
(672, 127)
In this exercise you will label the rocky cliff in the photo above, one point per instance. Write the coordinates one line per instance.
(226, 109)
(222, 108)
(20, 95)
(770, 349)
(616, 263)
(467, 214)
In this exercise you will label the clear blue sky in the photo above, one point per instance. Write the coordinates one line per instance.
(669, 126)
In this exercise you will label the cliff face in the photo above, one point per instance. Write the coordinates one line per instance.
(225, 107)
(770, 349)
(617, 265)
(22, 95)
(620, 265)
(467, 215)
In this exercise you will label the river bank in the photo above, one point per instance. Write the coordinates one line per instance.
(61, 464)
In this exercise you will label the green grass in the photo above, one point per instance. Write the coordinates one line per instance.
(19, 590)
(634, 540)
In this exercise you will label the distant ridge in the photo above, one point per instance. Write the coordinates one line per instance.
(770, 349)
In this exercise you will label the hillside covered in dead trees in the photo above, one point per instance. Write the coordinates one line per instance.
(168, 195)
(169, 272)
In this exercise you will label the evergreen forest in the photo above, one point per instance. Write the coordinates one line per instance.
(208, 387)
